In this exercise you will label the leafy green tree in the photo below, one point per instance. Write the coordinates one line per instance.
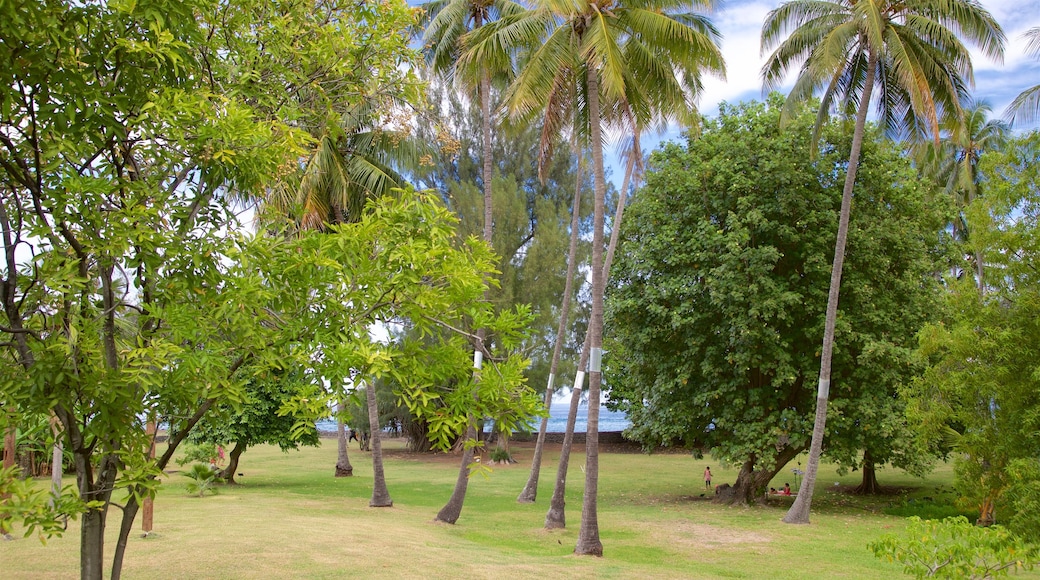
(914, 54)
(129, 291)
(1026, 106)
(718, 291)
(255, 421)
(953, 548)
(981, 382)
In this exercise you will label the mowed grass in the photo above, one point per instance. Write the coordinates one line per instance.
(290, 518)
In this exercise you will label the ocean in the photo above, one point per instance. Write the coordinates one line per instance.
(608, 420)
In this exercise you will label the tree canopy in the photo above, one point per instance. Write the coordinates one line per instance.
(719, 290)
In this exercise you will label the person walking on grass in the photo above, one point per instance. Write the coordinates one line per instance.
(707, 478)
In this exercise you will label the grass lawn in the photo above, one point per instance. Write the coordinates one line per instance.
(290, 518)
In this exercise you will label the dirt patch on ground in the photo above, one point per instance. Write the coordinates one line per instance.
(703, 535)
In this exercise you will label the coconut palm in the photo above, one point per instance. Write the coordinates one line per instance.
(352, 162)
(447, 21)
(912, 52)
(1026, 106)
(954, 162)
(643, 56)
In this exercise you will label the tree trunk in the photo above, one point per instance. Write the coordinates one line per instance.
(380, 495)
(148, 504)
(129, 513)
(752, 484)
(530, 491)
(869, 484)
(343, 466)
(556, 518)
(228, 474)
(450, 513)
(799, 512)
(10, 440)
(588, 535)
(92, 544)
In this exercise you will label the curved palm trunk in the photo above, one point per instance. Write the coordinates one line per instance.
(588, 535)
(530, 491)
(343, 466)
(556, 516)
(380, 495)
(453, 509)
(799, 512)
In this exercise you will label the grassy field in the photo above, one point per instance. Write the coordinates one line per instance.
(290, 518)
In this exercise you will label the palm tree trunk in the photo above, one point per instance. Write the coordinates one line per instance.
(343, 466)
(530, 491)
(453, 509)
(799, 512)
(588, 534)
(556, 516)
(380, 495)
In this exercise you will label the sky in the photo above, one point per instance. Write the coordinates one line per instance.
(740, 22)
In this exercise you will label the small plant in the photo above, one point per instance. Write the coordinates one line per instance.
(953, 548)
(501, 455)
(203, 479)
(203, 452)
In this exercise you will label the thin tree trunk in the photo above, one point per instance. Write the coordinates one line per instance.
(799, 512)
(530, 491)
(556, 516)
(228, 474)
(453, 509)
(127, 524)
(380, 495)
(10, 440)
(148, 505)
(343, 466)
(588, 535)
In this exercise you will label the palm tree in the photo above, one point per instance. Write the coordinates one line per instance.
(645, 55)
(1026, 106)
(912, 52)
(447, 22)
(954, 163)
(352, 162)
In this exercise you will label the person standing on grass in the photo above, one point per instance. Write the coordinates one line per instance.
(707, 478)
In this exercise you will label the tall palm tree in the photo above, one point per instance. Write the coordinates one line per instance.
(1026, 106)
(954, 163)
(912, 52)
(646, 54)
(447, 21)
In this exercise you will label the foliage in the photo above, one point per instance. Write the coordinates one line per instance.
(256, 418)
(953, 548)
(128, 131)
(399, 266)
(203, 479)
(720, 286)
(981, 392)
(200, 452)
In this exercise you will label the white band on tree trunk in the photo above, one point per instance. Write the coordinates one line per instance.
(595, 360)
(579, 380)
(825, 389)
(478, 359)
(552, 379)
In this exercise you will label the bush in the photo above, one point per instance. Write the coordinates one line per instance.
(203, 452)
(953, 548)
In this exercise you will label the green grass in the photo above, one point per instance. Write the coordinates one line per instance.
(291, 518)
